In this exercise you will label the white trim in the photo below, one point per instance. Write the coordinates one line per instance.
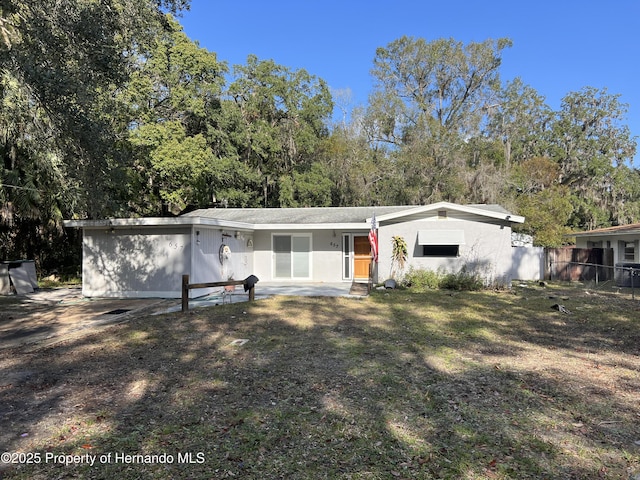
(214, 222)
(348, 256)
(157, 221)
(605, 235)
(450, 206)
(211, 222)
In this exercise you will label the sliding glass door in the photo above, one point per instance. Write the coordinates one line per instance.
(292, 256)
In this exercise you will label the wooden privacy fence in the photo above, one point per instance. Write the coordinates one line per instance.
(579, 264)
(249, 283)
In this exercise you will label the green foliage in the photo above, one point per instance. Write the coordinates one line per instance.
(518, 119)
(591, 144)
(399, 253)
(280, 120)
(181, 165)
(547, 213)
(312, 187)
(421, 280)
(463, 280)
(439, 87)
(108, 108)
(173, 101)
(399, 250)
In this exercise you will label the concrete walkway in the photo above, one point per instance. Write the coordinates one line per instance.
(319, 289)
(270, 289)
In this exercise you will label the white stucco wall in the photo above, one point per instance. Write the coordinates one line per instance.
(207, 266)
(527, 263)
(326, 256)
(486, 250)
(135, 262)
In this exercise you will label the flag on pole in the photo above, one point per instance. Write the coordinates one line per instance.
(373, 239)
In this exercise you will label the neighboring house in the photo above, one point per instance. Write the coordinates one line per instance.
(623, 239)
(146, 257)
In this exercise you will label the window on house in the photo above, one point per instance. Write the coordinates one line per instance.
(629, 251)
(440, 250)
(442, 214)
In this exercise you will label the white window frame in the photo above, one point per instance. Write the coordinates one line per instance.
(628, 247)
(292, 252)
(347, 256)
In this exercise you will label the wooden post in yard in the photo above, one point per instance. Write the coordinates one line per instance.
(185, 293)
(252, 293)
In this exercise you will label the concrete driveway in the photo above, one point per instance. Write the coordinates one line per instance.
(53, 315)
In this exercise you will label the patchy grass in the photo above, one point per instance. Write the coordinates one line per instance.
(470, 385)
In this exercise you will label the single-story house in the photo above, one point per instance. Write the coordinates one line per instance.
(623, 239)
(146, 257)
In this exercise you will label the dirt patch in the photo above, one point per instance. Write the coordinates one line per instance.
(54, 314)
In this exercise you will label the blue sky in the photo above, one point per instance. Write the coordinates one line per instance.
(559, 46)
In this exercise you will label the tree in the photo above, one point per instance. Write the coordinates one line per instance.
(590, 142)
(428, 100)
(71, 56)
(281, 118)
(308, 188)
(35, 194)
(433, 88)
(361, 174)
(62, 135)
(519, 120)
(173, 102)
(547, 214)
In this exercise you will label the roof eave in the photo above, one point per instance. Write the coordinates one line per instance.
(604, 234)
(156, 222)
(312, 226)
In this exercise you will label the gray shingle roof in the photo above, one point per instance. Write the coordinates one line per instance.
(312, 215)
(633, 228)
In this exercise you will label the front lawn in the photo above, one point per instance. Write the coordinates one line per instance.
(469, 385)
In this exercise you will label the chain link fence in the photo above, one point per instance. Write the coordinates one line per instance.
(599, 276)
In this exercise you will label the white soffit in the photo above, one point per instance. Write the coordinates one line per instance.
(440, 237)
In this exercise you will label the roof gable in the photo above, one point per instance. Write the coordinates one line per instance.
(494, 212)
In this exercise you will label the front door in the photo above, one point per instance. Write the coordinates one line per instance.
(361, 257)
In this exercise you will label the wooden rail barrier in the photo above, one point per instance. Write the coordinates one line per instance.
(186, 286)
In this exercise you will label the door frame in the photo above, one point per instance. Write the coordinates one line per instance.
(349, 252)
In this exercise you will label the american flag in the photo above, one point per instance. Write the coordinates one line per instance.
(373, 238)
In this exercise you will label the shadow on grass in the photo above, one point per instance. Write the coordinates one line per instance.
(395, 386)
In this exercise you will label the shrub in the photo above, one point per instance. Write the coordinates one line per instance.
(462, 280)
(420, 280)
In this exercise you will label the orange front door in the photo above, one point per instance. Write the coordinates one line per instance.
(361, 257)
